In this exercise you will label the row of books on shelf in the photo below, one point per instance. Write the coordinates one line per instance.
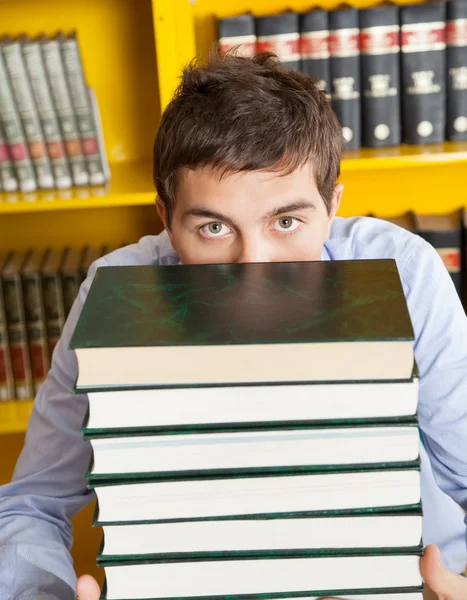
(278, 455)
(395, 74)
(50, 127)
(37, 291)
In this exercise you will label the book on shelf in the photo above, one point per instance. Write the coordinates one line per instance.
(8, 180)
(444, 233)
(456, 57)
(35, 317)
(7, 383)
(20, 83)
(54, 308)
(16, 325)
(56, 77)
(83, 107)
(423, 72)
(280, 34)
(47, 114)
(70, 276)
(237, 33)
(253, 536)
(314, 46)
(344, 44)
(89, 255)
(379, 48)
(214, 344)
(17, 147)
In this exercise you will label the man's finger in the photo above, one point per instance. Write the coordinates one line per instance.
(447, 585)
(87, 588)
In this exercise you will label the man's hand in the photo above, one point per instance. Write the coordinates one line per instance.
(443, 584)
(87, 588)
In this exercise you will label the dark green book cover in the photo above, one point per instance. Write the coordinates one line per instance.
(252, 303)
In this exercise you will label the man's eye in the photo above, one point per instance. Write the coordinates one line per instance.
(215, 229)
(286, 224)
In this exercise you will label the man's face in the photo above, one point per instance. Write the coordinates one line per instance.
(253, 216)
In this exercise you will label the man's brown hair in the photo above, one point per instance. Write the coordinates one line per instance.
(246, 114)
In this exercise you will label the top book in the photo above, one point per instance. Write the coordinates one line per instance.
(224, 324)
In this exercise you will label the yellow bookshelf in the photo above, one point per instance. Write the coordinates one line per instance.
(14, 416)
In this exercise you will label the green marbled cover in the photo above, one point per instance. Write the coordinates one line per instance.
(256, 303)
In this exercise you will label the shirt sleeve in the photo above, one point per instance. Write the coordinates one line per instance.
(440, 327)
(48, 486)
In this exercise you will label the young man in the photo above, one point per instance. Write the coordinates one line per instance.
(246, 164)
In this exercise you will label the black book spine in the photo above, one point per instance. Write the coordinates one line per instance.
(423, 45)
(448, 246)
(7, 384)
(379, 48)
(344, 44)
(314, 46)
(237, 32)
(280, 34)
(456, 29)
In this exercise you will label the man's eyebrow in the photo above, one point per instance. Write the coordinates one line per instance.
(299, 204)
(199, 211)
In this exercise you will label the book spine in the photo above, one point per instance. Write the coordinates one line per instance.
(83, 109)
(344, 45)
(28, 112)
(8, 181)
(70, 287)
(100, 137)
(448, 246)
(379, 48)
(7, 384)
(456, 30)
(16, 324)
(14, 134)
(47, 114)
(54, 308)
(35, 323)
(63, 105)
(237, 32)
(314, 47)
(280, 34)
(423, 46)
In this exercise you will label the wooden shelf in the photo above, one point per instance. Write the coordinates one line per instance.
(14, 416)
(131, 184)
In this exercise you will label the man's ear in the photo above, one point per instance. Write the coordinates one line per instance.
(335, 202)
(162, 212)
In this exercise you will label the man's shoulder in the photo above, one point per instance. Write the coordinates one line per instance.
(149, 250)
(371, 238)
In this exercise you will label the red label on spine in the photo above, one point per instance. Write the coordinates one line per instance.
(451, 258)
(56, 150)
(286, 46)
(314, 44)
(379, 40)
(3, 375)
(456, 32)
(18, 362)
(344, 42)
(90, 146)
(423, 36)
(37, 355)
(18, 151)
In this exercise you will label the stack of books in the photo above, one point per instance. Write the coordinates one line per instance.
(254, 430)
